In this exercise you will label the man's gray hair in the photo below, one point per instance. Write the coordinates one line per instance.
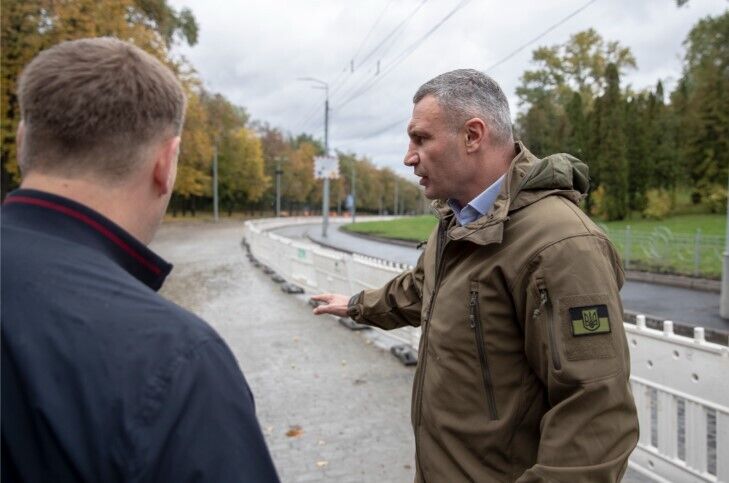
(468, 93)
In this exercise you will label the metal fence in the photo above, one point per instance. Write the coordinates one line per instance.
(679, 383)
(662, 250)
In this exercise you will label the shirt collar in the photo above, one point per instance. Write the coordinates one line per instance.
(65, 218)
(478, 206)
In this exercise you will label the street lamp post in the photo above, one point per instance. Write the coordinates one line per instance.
(279, 172)
(325, 194)
(724, 302)
(215, 182)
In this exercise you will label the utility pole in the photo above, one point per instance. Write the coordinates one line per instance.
(724, 302)
(325, 194)
(354, 192)
(325, 199)
(215, 182)
(279, 172)
(396, 205)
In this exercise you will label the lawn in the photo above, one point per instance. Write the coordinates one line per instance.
(670, 245)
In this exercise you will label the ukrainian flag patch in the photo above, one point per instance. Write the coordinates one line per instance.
(590, 320)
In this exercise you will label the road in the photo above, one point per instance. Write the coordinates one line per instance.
(333, 406)
(683, 306)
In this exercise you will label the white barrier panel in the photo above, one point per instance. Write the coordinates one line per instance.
(681, 389)
(680, 385)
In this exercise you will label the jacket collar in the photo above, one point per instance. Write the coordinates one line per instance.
(64, 218)
(524, 185)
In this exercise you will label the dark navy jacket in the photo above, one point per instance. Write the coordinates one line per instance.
(103, 380)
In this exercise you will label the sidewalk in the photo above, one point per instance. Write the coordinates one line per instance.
(344, 403)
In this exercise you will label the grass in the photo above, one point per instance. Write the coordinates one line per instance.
(649, 250)
(413, 228)
(683, 224)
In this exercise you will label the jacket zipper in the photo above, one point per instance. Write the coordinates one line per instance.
(475, 322)
(547, 304)
(440, 248)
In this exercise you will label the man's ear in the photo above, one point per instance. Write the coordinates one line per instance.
(476, 134)
(165, 165)
(19, 138)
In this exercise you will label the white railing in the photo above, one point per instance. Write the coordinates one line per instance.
(680, 384)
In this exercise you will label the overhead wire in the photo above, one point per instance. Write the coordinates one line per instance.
(337, 84)
(392, 36)
(404, 54)
(501, 61)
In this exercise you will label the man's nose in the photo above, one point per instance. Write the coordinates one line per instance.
(411, 158)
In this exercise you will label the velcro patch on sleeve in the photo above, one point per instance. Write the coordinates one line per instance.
(590, 320)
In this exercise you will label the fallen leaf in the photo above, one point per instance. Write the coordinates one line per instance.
(322, 464)
(294, 431)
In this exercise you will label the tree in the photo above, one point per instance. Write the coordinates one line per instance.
(706, 80)
(29, 26)
(551, 119)
(611, 153)
(196, 153)
(240, 168)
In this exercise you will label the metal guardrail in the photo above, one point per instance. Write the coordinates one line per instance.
(680, 384)
(662, 250)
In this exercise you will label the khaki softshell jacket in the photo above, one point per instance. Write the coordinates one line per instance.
(523, 362)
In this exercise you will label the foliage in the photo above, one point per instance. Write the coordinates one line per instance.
(633, 141)
(29, 26)
(716, 196)
(658, 204)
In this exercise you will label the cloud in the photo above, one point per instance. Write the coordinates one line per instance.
(254, 52)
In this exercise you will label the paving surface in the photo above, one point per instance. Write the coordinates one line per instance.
(349, 400)
(686, 306)
(343, 401)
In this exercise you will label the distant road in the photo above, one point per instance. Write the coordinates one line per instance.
(684, 306)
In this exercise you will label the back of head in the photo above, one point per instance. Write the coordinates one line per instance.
(95, 107)
(467, 93)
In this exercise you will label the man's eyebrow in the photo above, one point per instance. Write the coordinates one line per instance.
(415, 130)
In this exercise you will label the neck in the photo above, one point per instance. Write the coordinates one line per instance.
(495, 163)
(115, 202)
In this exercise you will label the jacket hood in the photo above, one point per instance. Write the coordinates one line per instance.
(528, 180)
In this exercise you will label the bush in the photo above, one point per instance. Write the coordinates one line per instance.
(597, 202)
(716, 198)
(658, 204)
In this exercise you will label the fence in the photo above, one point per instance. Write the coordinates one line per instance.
(662, 250)
(680, 384)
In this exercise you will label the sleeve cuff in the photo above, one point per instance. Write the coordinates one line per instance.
(353, 307)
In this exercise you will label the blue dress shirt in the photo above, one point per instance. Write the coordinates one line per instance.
(478, 206)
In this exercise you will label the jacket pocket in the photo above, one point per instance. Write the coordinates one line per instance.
(474, 319)
(546, 305)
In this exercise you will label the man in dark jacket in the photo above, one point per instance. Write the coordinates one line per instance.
(102, 379)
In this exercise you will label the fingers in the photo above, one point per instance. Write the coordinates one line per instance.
(323, 297)
(331, 303)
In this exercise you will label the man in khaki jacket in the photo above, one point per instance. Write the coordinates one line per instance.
(523, 361)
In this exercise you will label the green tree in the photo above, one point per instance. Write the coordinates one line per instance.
(611, 153)
(706, 79)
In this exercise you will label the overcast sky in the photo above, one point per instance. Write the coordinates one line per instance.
(253, 52)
